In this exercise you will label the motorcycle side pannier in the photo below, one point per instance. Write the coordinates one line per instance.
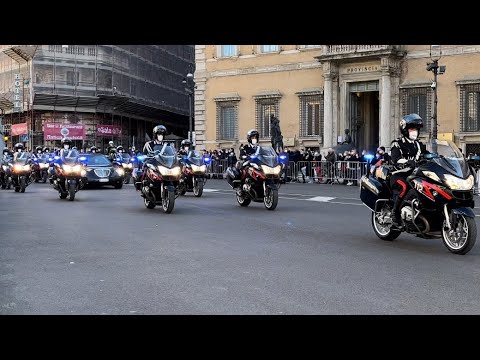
(233, 177)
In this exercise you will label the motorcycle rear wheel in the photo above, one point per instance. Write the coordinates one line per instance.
(461, 239)
(382, 230)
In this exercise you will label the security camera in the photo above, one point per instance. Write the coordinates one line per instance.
(434, 85)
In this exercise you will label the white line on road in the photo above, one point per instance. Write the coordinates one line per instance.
(321, 199)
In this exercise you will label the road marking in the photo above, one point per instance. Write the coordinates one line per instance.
(321, 198)
(210, 190)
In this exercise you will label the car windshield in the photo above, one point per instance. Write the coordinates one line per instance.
(97, 160)
(449, 157)
(267, 155)
(165, 154)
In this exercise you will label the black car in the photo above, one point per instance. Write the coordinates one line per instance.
(101, 171)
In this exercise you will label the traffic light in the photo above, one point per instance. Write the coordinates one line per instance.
(5, 138)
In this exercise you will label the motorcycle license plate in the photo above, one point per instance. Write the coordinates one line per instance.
(103, 180)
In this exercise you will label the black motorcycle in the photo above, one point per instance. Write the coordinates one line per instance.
(69, 174)
(258, 180)
(21, 171)
(193, 176)
(159, 183)
(438, 199)
(40, 167)
(127, 162)
(5, 172)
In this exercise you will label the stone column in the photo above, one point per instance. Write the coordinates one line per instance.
(385, 101)
(328, 123)
(199, 99)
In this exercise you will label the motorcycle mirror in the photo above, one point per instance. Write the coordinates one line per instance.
(430, 156)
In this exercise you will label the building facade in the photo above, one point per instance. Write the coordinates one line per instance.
(318, 91)
(103, 92)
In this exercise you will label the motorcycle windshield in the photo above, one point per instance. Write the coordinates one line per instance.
(449, 157)
(126, 157)
(195, 157)
(266, 155)
(166, 155)
(22, 158)
(70, 156)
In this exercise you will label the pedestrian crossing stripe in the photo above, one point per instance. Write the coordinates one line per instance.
(321, 198)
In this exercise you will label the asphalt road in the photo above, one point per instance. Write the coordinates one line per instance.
(105, 253)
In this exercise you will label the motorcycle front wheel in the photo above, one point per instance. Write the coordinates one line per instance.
(382, 228)
(270, 200)
(168, 201)
(23, 184)
(71, 191)
(198, 189)
(461, 239)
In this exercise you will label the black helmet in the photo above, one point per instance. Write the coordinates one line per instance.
(6, 151)
(19, 146)
(120, 147)
(185, 142)
(46, 149)
(409, 122)
(251, 134)
(159, 130)
(38, 148)
(66, 141)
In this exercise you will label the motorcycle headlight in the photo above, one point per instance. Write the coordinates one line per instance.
(26, 167)
(271, 170)
(43, 166)
(201, 168)
(455, 183)
(169, 172)
(77, 168)
(124, 165)
(17, 167)
(4, 167)
(120, 171)
(67, 168)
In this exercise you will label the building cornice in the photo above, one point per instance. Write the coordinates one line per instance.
(265, 69)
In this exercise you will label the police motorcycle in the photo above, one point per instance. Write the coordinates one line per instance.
(21, 170)
(194, 168)
(5, 170)
(69, 174)
(158, 185)
(438, 202)
(40, 165)
(127, 162)
(258, 179)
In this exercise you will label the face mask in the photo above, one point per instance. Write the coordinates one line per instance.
(254, 141)
(186, 148)
(39, 151)
(19, 150)
(66, 147)
(93, 151)
(413, 135)
(120, 151)
(160, 137)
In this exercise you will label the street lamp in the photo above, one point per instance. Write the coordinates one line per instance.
(190, 89)
(435, 55)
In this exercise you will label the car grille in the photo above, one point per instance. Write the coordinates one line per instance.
(102, 172)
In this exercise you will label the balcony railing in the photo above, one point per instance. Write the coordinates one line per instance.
(349, 49)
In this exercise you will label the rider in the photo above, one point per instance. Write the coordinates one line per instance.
(159, 133)
(19, 148)
(93, 149)
(252, 137)
(184, 147)
(38, 152)
(66, 144)
(406, 151)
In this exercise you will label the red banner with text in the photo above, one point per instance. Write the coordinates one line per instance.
(109, 130)
(52, 131)
(19, 129)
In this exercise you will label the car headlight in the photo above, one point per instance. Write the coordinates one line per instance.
(120, 171)
(271, 170)
(201, 168)
(169, 172)
(432, 175)
(455, 183)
